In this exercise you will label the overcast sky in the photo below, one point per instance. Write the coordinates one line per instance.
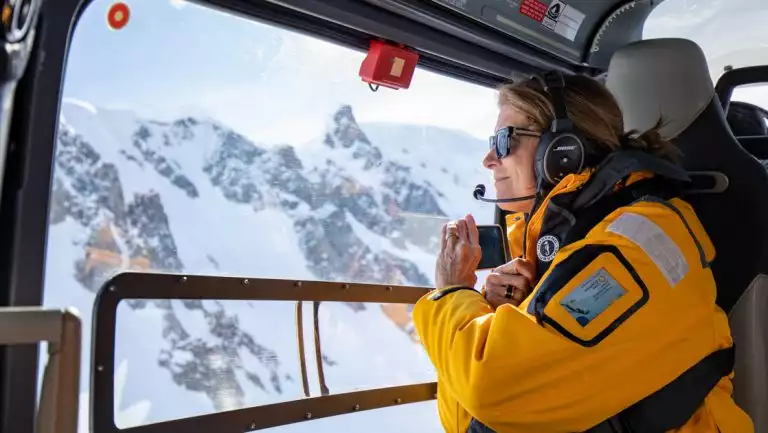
(729, 31)
(174, 58)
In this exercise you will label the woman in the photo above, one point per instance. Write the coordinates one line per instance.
(610, 297)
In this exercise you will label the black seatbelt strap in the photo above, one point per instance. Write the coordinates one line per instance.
(668, 408)
(673, 405)
(588, 218)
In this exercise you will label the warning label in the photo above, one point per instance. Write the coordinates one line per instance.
(553, 14)
(461, 4)
(563, 19)
(533, 9)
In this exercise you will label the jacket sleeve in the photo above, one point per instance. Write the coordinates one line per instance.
(611, 329)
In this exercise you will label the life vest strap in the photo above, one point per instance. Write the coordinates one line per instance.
(666, 409)
(673, 405)
(589, 217)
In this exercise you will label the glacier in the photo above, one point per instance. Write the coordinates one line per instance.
(361, 203)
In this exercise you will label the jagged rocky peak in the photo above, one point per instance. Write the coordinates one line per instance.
(147, 217)
(184, 128)
(288, 158)
(236, 146)
(83, 184)
(212, 366)
(334, 252)
(409, 195)
(232, 168)
(107, 178)
(345, 132)
(150, 145)
(139, 238)
(117, 235)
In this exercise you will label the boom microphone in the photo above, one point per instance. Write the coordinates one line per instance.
(480, 192)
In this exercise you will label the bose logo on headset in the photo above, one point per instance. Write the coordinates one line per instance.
(565, 148)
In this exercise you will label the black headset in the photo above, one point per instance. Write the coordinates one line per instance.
(561, 150)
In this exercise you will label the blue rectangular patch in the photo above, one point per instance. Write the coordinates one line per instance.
(593, 296)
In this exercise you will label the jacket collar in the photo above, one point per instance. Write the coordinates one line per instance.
(555, 212)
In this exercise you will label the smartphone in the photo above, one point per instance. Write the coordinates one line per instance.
(493, 244)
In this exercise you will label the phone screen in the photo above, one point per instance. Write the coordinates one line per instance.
(493, 245)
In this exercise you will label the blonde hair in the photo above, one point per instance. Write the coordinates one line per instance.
(593, 111)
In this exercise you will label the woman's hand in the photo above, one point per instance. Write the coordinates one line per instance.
(459, 254)
(510, 283)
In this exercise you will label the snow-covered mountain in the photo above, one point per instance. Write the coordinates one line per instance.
(362, 203)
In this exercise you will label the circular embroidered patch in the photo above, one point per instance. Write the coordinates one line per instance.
(547, 247)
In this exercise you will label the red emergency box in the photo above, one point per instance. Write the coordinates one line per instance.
(389, 65)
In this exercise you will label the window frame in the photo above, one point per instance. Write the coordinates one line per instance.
(168, 286)
(730, 80)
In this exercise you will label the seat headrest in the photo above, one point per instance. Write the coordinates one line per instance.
(664, 79)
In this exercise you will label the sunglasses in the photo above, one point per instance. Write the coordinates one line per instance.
(508, 138)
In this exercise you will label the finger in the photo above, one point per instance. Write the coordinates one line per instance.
(492, 288)
(443, 237)
(496, 279)
(498, 282)
(452, 235)
(503, 279)
(474, 236)
(496, 289)
(493, 280)
(497, 295)
(518, 296)
(517, 267)
(507, 268)
(463, 235)
(497, 301)
(526, 269)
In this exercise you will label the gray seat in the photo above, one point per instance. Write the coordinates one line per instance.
(670, 78)
(748, 326)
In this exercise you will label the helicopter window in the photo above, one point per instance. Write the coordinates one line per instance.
(216, 356)
(748, 119)
(731, 32)
(192, 141)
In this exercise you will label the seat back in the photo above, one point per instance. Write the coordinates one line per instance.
(669, 79)
(749, 326)
(757, 146)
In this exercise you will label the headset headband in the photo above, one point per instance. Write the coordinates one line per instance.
(553, 82)
(561, 150)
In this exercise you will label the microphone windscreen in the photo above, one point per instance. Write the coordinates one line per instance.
(479, 191)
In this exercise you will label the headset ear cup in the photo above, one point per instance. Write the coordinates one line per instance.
(559, 156)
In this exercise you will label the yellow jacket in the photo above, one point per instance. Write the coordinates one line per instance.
(516, 375)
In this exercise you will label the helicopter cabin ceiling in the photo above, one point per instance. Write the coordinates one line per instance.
(581, 33)
(483, 40)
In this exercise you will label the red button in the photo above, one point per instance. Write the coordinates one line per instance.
(118, 16)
